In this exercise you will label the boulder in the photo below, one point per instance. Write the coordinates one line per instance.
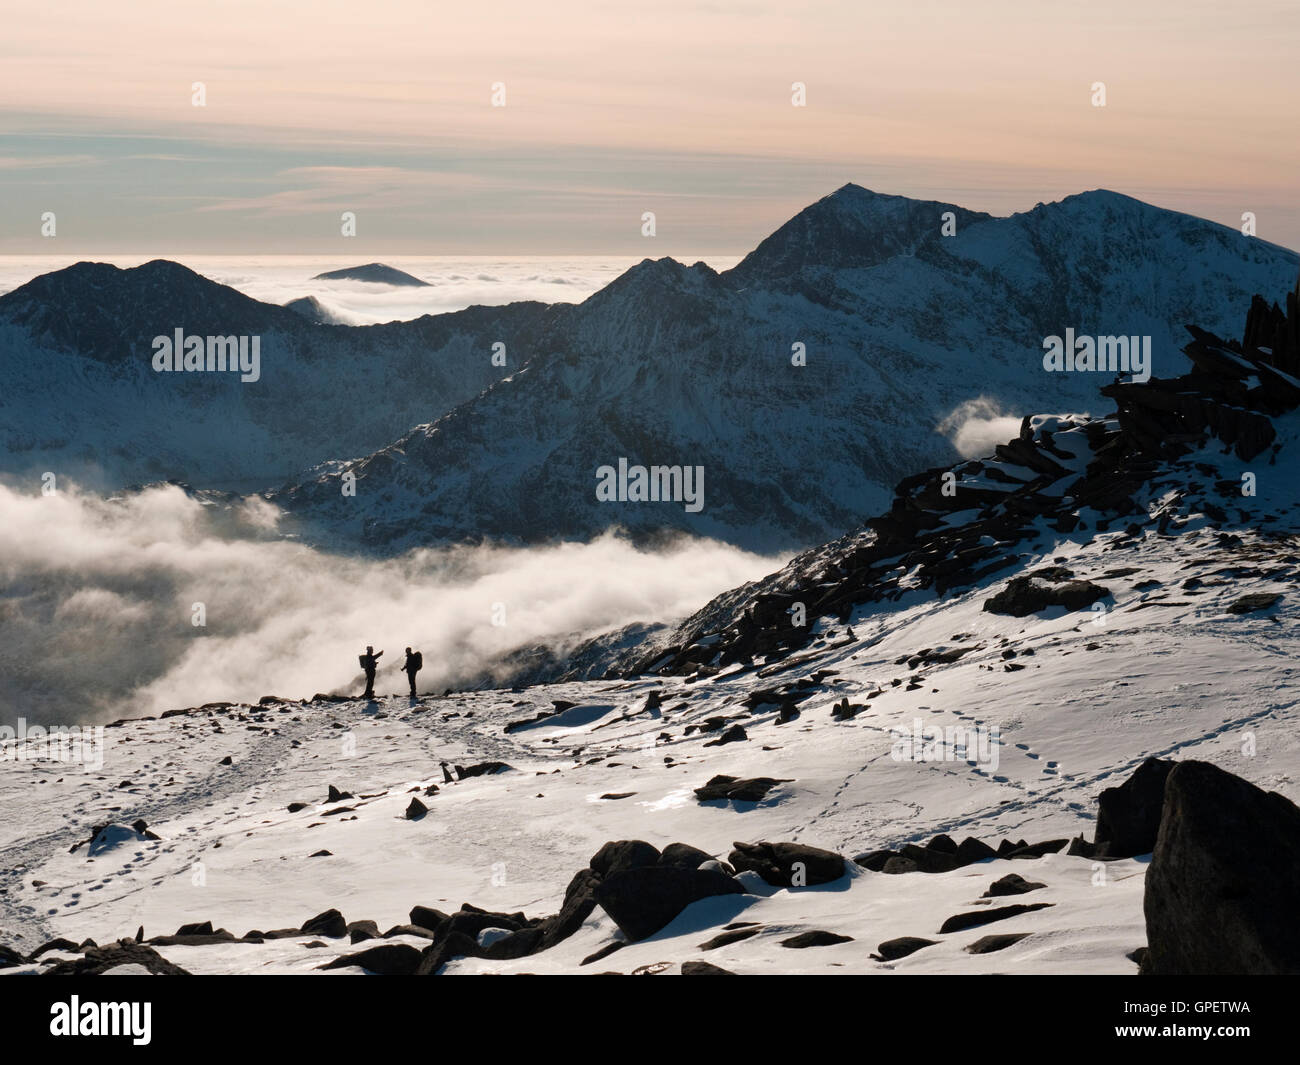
(1128, 817)
(684, 855)
(1023, 596)
(750, 789)
(98, 960)
(1011, 884)
(780, 864)
(960, 922)
(644, 899)
(329, 924)
(617, 855)
(1221, 890)
(815, 938)
(704, 968)
(893, 949)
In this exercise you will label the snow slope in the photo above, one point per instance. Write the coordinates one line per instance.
(1166, 670)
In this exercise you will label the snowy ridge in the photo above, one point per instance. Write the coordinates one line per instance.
(672, 364)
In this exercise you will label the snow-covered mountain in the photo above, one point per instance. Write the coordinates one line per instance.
(82, 399)
(900, 325)
(997, 738)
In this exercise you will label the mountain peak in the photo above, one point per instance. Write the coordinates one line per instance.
(373, 273)
(852, 228)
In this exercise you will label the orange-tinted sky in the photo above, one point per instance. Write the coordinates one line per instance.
(385, 108)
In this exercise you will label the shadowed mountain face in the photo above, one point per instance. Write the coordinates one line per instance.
(896, 325)
(81, 398)
(678, 365)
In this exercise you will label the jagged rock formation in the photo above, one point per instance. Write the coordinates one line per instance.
(951, 528)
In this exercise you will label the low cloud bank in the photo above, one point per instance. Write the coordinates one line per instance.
(98, 599)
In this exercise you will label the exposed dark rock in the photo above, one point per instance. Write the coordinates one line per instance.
(1023, 596)
(416, 810)
(464, 772)
(703, 968)
(617, 855)
(1248, 604)
(893, 949)
(604, 952)
(735, 935)
(815, 938)
(642, 900)
(684, 855)
(787, 864)
(750, 789)
(1221, 890)
(427, 917)
(329, 924)
(874, 860)
(362, 930)
(65, 946)
(1037, 850)
(960, 922)
(387, 959)
(98, 960)
(1011, 884)
(735, 734)
(990, 944)
(1128, 817)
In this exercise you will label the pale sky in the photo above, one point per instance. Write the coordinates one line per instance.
(384, 108)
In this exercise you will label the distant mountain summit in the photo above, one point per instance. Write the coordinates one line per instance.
(374, 273)
(852, 228)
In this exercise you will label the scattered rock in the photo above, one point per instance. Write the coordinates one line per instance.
(387, 959)
(989, 944)
(784, 864)
(750, 789)
(98, 960)
(1027, 595)
(816, 938)
(1248, 604)
(1011, 884)
(329, 924)
(643, 900)
(893, 949)
(723, 939)
(703, 968)
(962, 921)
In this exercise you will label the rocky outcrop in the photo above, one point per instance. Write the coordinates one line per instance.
(1221, 890)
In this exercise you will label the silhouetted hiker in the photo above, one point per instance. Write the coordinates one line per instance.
(413, 664)
(370, 662)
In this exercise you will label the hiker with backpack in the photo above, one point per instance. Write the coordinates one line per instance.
(413, 664)
(370, 662)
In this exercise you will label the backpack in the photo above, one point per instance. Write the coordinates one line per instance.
(364, 660)
(416, 661)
